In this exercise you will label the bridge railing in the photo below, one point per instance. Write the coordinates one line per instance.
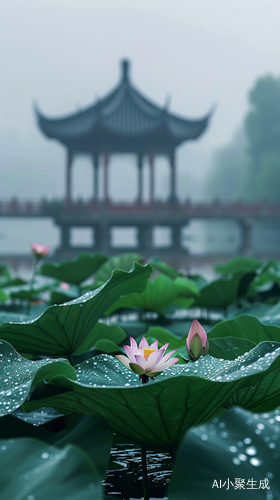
(43, 207)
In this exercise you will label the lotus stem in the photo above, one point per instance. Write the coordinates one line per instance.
(31, 284)
(144, 472)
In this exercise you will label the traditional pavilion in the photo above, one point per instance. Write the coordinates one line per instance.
(124, 121)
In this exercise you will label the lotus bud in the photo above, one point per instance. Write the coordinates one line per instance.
(197, 342)
(40, 250)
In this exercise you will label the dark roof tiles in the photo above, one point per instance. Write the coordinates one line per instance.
(122, 115)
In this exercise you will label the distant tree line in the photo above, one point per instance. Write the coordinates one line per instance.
(249, 167)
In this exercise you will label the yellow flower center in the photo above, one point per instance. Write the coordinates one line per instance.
(147, 352)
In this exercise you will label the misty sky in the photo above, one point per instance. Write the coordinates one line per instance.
(64, 53)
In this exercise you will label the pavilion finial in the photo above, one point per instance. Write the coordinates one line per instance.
(125, 63)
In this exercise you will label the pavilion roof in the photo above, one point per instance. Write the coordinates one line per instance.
(123, 121)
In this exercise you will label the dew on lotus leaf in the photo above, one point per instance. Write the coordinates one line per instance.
(91, 486)
(224, 434)
(255, 461)
(258, 431)
(277, 418)
(222, 425)
(269, 475)
(248, 440)
(31, 497)
(242, 457)
(204, 437)
(233, 449)
(275, 437)
(239, 444)
(251, 450)
(272, 445)
(269, 495)
(3, 447)
(44, 455)
(261, 426)
(236, 461)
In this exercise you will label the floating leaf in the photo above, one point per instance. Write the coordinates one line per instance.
(237, 265)
(26, 291)
(146, 413)
(90, 433)
(62, 329)
(237, 445)
(4, 282)
(31, 469)
(77, 270)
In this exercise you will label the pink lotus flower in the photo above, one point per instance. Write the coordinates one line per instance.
(40, 250)
(146, 361)
(197, 341)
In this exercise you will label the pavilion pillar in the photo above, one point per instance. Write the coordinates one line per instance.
(69, 163)
(152, 178)
(246, 226)
(95, 176)
(173, 194)
(106, 180)
(140, 178)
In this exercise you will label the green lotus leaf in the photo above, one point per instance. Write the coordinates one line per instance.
(164, 268)
(224, 291)
(4, 281)
(159, 413)
(3, 296)
(102, 332)
(59, 296)
(7, 317)
(238, 264)
(62, 329)
(123, 261)
(28, 291)
(227, 348)
(200, 280)
(159, 293)
(90, 433)
(18, 374)
(31, 469)
(5, 270)
(239, 444)
(77, 270)
(245, 327)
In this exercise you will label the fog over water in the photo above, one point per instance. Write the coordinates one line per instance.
(63, 54)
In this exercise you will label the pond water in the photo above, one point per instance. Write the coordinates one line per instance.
(124, 472)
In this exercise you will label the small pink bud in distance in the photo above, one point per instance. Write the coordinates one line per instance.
(64, 286)
(40, 250)
(197, 342)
